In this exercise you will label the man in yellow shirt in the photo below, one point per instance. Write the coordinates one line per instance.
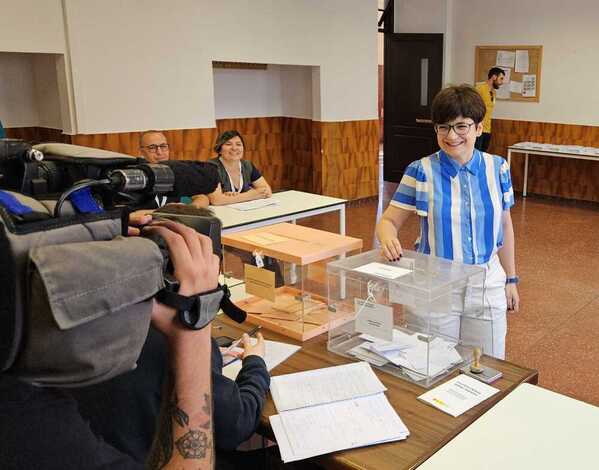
(487, 91)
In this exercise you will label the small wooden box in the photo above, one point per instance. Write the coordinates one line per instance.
(298, 255)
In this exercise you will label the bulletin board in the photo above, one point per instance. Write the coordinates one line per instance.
(522, 65)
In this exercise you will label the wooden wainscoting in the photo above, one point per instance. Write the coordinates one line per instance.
(572, 179)
(37, 134)
(332, 158)
(349, 158)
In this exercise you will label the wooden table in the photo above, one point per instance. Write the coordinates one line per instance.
(430, 429)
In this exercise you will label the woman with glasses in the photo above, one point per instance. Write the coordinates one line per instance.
(462, 197)
(240, 180)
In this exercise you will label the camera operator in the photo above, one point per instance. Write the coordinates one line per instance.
(42, 428)
(237, 404)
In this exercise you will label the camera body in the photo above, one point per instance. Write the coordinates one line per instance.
(80, 292)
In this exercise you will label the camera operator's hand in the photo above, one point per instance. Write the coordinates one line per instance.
(138, 219)
(195, 266)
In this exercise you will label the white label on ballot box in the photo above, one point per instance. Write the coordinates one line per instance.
(374, 319)
(383, 270)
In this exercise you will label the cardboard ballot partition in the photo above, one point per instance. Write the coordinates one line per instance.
(283, 267)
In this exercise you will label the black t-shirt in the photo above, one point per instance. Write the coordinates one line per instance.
(42, 428)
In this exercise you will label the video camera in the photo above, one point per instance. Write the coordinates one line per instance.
(79, 292)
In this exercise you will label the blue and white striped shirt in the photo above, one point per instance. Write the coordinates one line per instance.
(460, 207)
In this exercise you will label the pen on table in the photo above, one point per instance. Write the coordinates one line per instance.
(235, 343)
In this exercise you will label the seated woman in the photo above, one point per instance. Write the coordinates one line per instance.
(240, 180)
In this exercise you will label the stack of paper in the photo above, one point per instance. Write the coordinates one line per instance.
(331, 409)
(419, 355)
(255, 204)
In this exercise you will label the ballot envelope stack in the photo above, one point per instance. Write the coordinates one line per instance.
(418, 318)
(332, 409)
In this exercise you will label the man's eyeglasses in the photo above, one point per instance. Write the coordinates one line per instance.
(154, 148)
(461, 128)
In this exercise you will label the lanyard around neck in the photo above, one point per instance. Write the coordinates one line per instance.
(231, 179)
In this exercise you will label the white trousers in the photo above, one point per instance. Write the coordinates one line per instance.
(474, 324)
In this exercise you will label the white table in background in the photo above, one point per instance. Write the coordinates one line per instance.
(548, 150)
(293, 205)
(531, 428)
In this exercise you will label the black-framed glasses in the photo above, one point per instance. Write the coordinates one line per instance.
(154, 148)
(460, 128)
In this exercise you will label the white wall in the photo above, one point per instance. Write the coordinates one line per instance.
(18, 106)
(419, 16)
(31, 26)
(280, 90)
(148, 64)
(29, 95)
(46, 90)
(569, 35)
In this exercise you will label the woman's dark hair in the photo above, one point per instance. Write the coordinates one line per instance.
(224, 137)
(455, 101)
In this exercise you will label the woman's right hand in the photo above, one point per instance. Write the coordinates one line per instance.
(250, 349)
(391, 248)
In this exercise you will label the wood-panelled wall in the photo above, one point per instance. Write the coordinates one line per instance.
(348, 159)
(572, 179)
(332, 158)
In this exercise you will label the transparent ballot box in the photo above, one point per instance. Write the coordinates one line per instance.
(283, 267)
(419, 318)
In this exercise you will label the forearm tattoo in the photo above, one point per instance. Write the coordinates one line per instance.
(194, 444)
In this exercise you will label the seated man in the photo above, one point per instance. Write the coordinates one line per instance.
(192, 179)
(42, 428)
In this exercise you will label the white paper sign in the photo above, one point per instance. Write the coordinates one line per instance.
(374, 319)
(505, 58)
(516, 87)
(383, 270)
(521, 61)
(529, 85)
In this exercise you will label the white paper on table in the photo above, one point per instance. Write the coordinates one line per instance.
(458, 395)
(529, 85)
(374, 319)
(327, 385)
(521, 62)
(275, 354)
(516, 87)
(383, 270)
(255, 204)
(347, 424)
(505, 58)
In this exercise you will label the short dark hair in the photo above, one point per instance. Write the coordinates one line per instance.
(455, 101)
(495, 71)
(225, 137)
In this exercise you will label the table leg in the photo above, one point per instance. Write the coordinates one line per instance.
(509, 157)
(525, 174)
